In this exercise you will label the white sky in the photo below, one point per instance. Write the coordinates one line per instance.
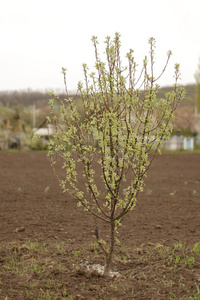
(39, 37)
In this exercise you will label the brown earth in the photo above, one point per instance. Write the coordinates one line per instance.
(45, 240)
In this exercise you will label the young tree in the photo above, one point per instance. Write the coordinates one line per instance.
(123, 127)
(197, 89)
(185, 120)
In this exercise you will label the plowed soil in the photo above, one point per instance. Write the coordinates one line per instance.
(47, 243)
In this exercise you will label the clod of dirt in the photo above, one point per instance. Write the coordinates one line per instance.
(25, 247)
(21, 229)
(138, 250)
(157, 246)
(79, 297)
(158, 226)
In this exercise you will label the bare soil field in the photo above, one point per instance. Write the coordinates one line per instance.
(47, 243)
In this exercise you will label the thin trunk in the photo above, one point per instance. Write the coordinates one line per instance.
(110, 253)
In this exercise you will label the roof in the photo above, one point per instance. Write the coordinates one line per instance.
(43, 131)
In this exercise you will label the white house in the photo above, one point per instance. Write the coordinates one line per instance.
(44, 132)
(179, 142)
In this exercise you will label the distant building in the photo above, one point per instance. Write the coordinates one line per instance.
(179, 142)
(44, 132)
(188, 143)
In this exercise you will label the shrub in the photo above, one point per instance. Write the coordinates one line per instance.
(123, 127)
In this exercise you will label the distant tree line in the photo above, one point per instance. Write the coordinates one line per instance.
(18, 108)
(29, 97)
(24, 98)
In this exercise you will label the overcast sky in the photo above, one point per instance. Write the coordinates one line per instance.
(39, 37)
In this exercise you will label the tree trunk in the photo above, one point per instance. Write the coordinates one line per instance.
(110, 253)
